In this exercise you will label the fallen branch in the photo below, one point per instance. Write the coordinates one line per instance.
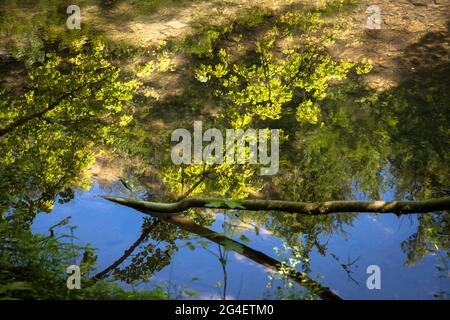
(261, 258)
(328, 207)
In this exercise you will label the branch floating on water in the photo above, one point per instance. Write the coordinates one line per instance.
(313, 208)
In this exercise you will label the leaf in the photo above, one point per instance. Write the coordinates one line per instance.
(233, 246)
(234, 204)
(190, 246)
(244, 239)
(221, 203)
(204, 244)
(215, 204)
(191, 293)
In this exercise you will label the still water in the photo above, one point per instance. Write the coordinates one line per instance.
(368, 144)
(371, 239)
